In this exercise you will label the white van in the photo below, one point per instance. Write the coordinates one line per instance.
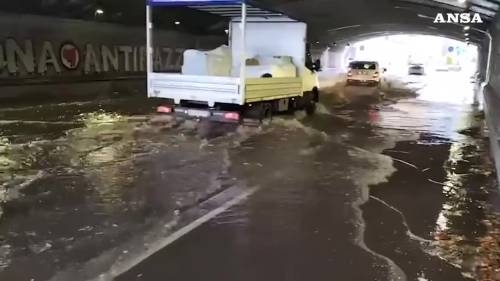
(364, 72)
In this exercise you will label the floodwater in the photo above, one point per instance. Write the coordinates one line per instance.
(394, 189)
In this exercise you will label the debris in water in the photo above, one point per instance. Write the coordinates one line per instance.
(471, 132)
(436, 182)
(397, 151)
(40, 248)
(203, 143)
(479, 115)
(404, 162)
(5, 251)
(86, 228)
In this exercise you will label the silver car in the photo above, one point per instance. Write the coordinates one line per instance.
(364, 72)
(416, 69)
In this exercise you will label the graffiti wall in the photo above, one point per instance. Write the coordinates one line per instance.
(42, 50)
(22, 59)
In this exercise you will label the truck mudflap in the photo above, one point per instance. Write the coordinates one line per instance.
(201, 113)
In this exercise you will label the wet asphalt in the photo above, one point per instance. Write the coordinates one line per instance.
(378, 185)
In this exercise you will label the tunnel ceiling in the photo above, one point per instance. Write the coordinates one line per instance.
(330, 21)
(333, 21)
(128, 12)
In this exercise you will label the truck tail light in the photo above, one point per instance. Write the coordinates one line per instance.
(232, 116)
(164, 109)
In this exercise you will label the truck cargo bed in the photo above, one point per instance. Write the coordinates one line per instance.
(219, 89)
(210, 89)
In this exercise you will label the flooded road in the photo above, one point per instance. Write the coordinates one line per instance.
(370, 189)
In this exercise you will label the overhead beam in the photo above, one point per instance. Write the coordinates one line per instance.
(493, 6)
(484, 12)
(494, 11)
(435, 5)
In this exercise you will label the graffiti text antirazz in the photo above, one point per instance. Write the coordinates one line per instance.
(29, 58)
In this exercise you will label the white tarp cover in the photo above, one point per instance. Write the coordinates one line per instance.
(216, 62)
(276, 66)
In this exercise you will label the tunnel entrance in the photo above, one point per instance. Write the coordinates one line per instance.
(413, 60)
(397, 52)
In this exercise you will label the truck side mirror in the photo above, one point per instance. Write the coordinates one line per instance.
(317, 65)
(384, 69)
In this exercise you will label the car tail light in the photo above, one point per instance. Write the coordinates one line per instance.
(164, 109)
(375, 75)
(232, 116)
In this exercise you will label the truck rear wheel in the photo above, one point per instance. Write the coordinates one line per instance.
(266, 113)
(310, 107)
(292, 105)
(252, 111)
(260, 112)
(309, 101)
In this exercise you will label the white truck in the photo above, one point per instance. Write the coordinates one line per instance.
(217, 85)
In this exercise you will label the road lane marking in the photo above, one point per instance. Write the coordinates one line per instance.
(123, 267)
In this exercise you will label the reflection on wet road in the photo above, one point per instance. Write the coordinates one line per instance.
(446, 174)
(98, 175)
(366, 191)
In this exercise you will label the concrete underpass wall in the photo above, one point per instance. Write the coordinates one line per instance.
(334, 58)
(491, 94)
(45, 57)
(332, 67)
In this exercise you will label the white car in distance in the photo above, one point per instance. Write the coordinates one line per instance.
(364, 73)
